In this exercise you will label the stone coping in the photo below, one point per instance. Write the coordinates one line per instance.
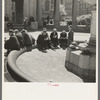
(82, 65)
(13, 69)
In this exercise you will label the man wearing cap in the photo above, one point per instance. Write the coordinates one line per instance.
(12, 43)
(28, 39)
(70, 35)
(63, 39)
(54, 38)
(43, 40)
(20, 38)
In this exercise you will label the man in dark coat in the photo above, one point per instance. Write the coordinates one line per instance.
(63, 39)
(43, 40)
(70, 35)
(40, 41)
(54, 38)
(20, 38)
(28, 39)
(12, 43)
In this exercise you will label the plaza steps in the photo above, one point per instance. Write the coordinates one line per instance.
(18, 26)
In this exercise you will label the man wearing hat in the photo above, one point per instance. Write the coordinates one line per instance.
(12, 43)
(63, 39)
(43, 40)
(20, 38)
(28, 39)
(54, 38)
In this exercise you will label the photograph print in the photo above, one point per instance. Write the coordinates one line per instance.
(50, 41)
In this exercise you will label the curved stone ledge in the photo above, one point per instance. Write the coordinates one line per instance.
(13, 69)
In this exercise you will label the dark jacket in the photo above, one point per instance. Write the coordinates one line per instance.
(20, 39)
(39, 39)
(28, 40)
(54, 35)
(63, 35)
(12, 43)
(42, 38)
(45, 36)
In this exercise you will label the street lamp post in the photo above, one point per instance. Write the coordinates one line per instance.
(56, 13)
(74, 14)
(39, 13)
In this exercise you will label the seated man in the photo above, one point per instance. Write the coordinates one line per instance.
(28, 39)
(63, 39)
(43, 40)
(12, 43)
(54, 38)
(20, 38)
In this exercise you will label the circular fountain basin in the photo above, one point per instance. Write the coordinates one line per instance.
(36, 66)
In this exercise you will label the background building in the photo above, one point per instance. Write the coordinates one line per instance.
(83, 7)
(18, 9)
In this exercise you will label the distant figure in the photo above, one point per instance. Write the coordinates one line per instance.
(44, 23)
(43, 41)
(20, 38)
(25, 22)
(48, 18)
(9, 25)
(63, 39)
(28, 39)
(70, 35)
(54, 38)
(51, 21)
(6, 18)
(12, 43)
(69, 22)
(31, 19)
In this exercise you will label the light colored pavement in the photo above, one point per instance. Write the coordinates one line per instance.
(46, 67)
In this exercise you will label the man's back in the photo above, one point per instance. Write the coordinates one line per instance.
(20, 39)
(28, 39)
(12, 43)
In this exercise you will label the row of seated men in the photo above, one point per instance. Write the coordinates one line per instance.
(18, 40)
(44, 41)
(22, 39)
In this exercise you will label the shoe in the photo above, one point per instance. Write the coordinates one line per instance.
(44, 51)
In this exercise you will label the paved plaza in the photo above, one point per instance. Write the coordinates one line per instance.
(47, 67)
